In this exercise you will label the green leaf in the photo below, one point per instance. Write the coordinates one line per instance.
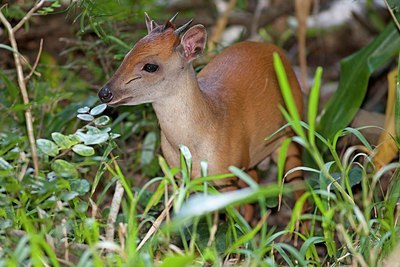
(85, 117)
(12, 89)
(64, 169)
(98, 109)
(178, 261)
(47, 147)
(355, 176)
(93, 139)
(149, 146)
(4, 165)
(67, 196)
(101, 121)
(80, 186)
(355, 72)
(313, 105)
(63, 141)
(83, 150)
(74, 139)
(288, 96)
(83, 110)
(92, 130)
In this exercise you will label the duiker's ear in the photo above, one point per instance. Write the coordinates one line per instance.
(194, 42)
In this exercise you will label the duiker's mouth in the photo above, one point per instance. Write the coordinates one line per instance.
(120, 102)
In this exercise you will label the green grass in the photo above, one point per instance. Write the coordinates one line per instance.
(58, 218)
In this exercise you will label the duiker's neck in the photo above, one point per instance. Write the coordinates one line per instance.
(186, 115)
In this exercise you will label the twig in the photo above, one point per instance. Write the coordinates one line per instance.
(65, 243)
(213, 230)
(156, 223)
(115, 205)
(262, 5)
(24, 93)
(302, 11)
(28, 16)
(221, 25)
(36, 61)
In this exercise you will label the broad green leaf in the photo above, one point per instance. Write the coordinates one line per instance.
(149, 146)
(83, 110)
(64, 169)
(92, 129)
(101, 121)
(81, 186)
(74, 139)
(98, 109)
(92, 139)
(85, 117)
(63, 141)
(83, 150)
(82, 207)
(47, 147)
(355, 72)
(69, 195)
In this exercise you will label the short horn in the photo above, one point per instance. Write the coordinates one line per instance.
(183, 28)
(148, 23)
(174, 17)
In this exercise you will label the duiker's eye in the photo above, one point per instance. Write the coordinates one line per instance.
(150, 67)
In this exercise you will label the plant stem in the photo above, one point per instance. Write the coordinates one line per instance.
(24, 93)
(27, 16)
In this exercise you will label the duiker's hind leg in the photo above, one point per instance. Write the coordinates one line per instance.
(247, 210)
(293, 160)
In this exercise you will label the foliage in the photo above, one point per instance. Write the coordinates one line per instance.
(356, 70)
(61, 216)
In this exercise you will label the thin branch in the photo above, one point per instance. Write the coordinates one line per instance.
(24, 93)
(36, 61)
(115, 205)
(28, 16)
(156, 224)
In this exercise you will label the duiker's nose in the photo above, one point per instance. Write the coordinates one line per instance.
(105, 94)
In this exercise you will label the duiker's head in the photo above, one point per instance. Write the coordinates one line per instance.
(154, 65)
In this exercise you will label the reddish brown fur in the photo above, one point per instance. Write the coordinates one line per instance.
(223, 115)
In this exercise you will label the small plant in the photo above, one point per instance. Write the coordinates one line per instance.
(62, 185)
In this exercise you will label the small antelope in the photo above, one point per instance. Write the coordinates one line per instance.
(222, 114)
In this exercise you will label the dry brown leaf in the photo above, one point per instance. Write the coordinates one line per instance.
(387, 149)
